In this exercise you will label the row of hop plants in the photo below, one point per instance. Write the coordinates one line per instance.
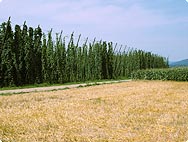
(174, 74)
(29, 56)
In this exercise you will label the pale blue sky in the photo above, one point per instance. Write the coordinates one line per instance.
(160, 26)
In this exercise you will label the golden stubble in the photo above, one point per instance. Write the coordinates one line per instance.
(131, 111)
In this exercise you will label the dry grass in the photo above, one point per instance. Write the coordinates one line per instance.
(134, 111)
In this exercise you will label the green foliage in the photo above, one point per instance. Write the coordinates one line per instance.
(29, 56)
(175, 74)
(7, 56)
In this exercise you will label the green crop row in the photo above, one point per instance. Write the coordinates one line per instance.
(30, 56)
(175, 74)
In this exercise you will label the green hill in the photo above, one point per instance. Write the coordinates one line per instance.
(179, 63)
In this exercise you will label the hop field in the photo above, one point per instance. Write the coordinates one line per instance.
(132, 111)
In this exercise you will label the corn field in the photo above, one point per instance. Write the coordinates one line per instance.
(175, 74)
(29, 56)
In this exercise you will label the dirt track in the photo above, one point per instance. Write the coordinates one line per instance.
(41, 89)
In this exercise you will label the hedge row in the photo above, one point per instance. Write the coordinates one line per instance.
(175, 74)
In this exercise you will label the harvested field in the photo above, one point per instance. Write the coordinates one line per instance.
(131, 111)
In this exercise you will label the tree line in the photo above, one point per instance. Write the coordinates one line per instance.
(29, 56)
